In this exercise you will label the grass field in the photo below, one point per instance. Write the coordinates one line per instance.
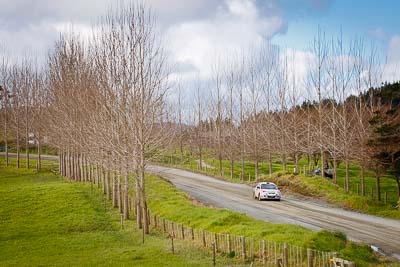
(317, 186)
(47, 221)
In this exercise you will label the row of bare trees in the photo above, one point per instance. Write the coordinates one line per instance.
(22, 102)
(258, 107)
(101, 103)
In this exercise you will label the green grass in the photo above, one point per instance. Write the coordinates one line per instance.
(174, 205)
(46, 221)
(351, 200)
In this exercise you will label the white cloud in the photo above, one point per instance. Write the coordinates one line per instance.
(394, 49)
(391, 70)
(236, 27)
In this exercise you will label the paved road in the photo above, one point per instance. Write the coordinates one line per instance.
(384, 233)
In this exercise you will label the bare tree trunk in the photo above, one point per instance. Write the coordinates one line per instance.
(82, 165)
(126, 196)
(138, 208)
(270, 164)
(69, 164)
(26, 137)
(6, 128)
(347, 182)
(103, 180)
(79, 167)
(114, 190)
(6, 147)
(232, 167)
(243, 168)
(143, 198)
(18, 146)
(119, 188)
(97, 176)
(221, 172)
(39, 148)
(85, 168)
(64, 163)
(256, 167)
(398, 191)
(378, 186)
(284, 163)
(108, 186)
(322, 162)
(73, 172)
(334, 170)
(362, 180)
(242, 135)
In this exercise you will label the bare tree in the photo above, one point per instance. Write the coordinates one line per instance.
(318, 81)
(5, 96)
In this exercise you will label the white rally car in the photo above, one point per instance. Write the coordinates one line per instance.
(267, 190)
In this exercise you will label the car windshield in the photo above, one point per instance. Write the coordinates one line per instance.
(268, 186)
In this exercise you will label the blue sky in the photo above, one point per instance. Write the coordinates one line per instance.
(369, 19)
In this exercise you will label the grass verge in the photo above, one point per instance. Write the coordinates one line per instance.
(47, 221)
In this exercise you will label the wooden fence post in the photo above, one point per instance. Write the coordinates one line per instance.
(204, 238)
(183, 232)
(228, 241)
(263, 251)
(243, 247)
(310, 258)
(122, 221)
(172, 244)
(214, 252)
(285, 255)
(163, 222)
(216, 241)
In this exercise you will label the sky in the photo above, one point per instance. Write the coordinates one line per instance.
(195, 31)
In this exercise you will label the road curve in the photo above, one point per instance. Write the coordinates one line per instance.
(377, 231)
(380, 232)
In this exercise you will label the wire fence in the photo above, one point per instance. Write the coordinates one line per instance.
(256, 250)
